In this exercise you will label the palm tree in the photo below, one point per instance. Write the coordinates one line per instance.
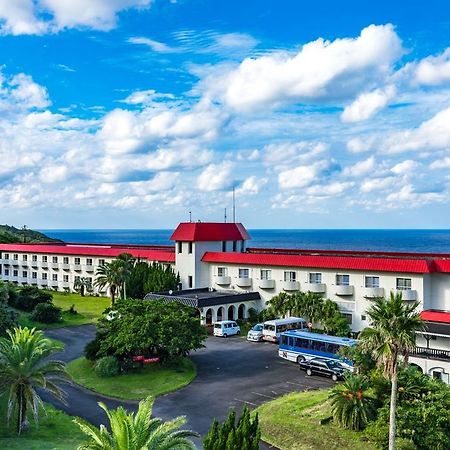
(110, 275)
(351, 407)
(311, 305)
(130, 431)
(392, 333)
(127, 262)
(24, 368)
(82, 284)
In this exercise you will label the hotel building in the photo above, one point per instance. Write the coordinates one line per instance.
(222, 277)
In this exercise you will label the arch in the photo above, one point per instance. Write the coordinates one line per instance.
(417, 367)
(231, 312)
(209, 316)
(241, 311)
(220, 314)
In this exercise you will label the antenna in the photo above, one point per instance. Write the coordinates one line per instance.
(225, 216)
(190, 216)
(234, 207)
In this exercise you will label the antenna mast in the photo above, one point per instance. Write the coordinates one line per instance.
(225, 215)
(234, 207)
(190, 216)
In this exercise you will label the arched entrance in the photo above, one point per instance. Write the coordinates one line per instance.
(220, 314)
(231, 312)
(209, 317)
(241, 311)
(417, 367)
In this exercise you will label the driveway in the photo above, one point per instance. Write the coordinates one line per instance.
(231, 373)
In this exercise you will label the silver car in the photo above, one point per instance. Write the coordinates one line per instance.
(256, 333)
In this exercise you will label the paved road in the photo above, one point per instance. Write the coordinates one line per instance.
(231, 373)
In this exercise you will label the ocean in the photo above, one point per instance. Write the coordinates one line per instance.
(433, 241)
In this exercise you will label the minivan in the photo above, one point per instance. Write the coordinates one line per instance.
(226, 328)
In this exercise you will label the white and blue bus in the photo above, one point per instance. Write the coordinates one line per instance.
(303, 345)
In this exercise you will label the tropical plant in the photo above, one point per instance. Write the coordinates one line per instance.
(127, 262)
(392, 334)
(27, 297)
(136, 431)
(82, 285)
(109, 275)
(7, 316)
(351, 406)
(24, 368)
(46, 313)
(108, 366)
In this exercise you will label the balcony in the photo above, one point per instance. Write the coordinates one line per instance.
(15, 262)
(291, 285)
(223, 280)
(267, 284)
(318, 288)
(89, 268)
(76, 267)
(65, 266)
(64, 284)
(409, 295)
(25, 263)
(373, 292)
(54, 266)
(430, 353)
(342, 289)
(35, 263)
(44, 265)
(243, 282)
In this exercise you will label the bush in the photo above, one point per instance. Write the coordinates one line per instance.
(28, 298)
(253, 316)
(46, 313)
(92, 348)
(7, 319)
(108, 366)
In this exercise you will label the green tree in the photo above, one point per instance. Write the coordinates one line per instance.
(136, 431)
(281, 304)
(82, 285)
(127, 262)
(161, 278)
(392, 334)
(7, 316)
(25, 367)
(109, 275)
(351, 406)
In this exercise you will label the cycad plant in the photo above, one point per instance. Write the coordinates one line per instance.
(109, 275)
(82, 284)
(351, 405)
(136, 431)
(24, 368)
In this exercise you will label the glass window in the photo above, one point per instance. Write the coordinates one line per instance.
(77, 278)
(16, 256)
(66, 278)
(224, 246)
(243, 273)
(189, 247)
(89, 261)
(6, 255)
(55, 259)
(315, 278)
(55, 277)
(190, 281)
(34, 275)
(372, 282)
(15, 273)
(7, 272)
(77, 260)
(101, 262)
(234, 246)
(290, 276)
(342, 280)
(44, 276)
(222, 271)
(403, 284)
(25, 274)
(45, 258)
(349, 317)
(34, 258)
(266, 274)
(66, 260)
(180, 247)
(25, 257)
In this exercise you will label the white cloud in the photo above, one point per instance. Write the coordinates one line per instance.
(441, 163)
(412, 199)
(360, 145)
(286, 154)
(320, 70)
(302, 176)
(378, 184)
(329, 190)
(405, 167)
(216, 177)
(19, 17)
(251, 186)
(433, 70)
(367, 104)
(156, 46)
(360, 168)
(53, 174)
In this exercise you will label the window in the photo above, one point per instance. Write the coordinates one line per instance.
(34, 275)
(290, 276)
(266, 274)
(55, 259)
(77, 278)
(34, 258)
(180, 247)
(90, 279)
(66, 260)
(222, 271)
(25, 274)
(89, 261)
(55, 277)
(44, 276)
(45, 258)
(348, 317)
(315, 278)
(224, 246)
(16, 257)
(77, 261)
(243, 273)
(372, 282)
(190, 281)
(6, 255)
(363, 317)
(7, 272)
(25, 258)
(15, 273)
(403, 284)
(234, 246)
(342, 280)
(242, 246)
(66, 278)
(189, 247)
(101, 262)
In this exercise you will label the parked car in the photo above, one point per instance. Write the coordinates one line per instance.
(226, 328)
(256, 333)
(325, 367)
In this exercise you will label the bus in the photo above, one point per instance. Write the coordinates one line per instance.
(299, 346)
(273, 328)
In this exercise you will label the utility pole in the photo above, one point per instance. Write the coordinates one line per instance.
(190, 216)
(234, 207)
(225, 216)
(24, 230)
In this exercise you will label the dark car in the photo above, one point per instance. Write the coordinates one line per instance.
(325, 367)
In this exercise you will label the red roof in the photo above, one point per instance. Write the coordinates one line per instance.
(156, 254)
(322, 261)
(435, 316)
(210, 231)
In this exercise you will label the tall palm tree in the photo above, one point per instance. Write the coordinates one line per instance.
(351, 406)
(127, 262)
(82, 284)
(138, 431)
(392, 333)
(24, 368)
(311, 306)
(109, 275)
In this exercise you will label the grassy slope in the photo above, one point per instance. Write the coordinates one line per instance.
(10, 235)
(291, 422)
(56, 431)
(152, 380)
(88, 308)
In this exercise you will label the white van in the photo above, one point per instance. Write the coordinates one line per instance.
(226, 328)
(273, 328)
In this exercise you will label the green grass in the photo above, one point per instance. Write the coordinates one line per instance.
(56, 431)
(89, 308)
(291, 422)
(152, 380)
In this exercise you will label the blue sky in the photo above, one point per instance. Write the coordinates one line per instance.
(130, 113)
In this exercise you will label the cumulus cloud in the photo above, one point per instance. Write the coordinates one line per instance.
(302, 176)
(216, 177)
(250, 186)
(359, 145)
(433, 70)
(405, 167)
(360, 168)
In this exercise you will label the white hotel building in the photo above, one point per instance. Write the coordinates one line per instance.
(223, 278)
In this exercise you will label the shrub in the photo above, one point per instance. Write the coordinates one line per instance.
(108, 366)
(72, 310)
(92, 348)
(46, 313)
(253, 315)
(28, 298)
(7, 319)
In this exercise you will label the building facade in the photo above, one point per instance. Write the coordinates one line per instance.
(215, 258)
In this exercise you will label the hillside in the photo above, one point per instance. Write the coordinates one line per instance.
(9, 235)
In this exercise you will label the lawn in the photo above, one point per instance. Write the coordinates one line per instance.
(56, 432)
(291, 422)
(152, 380)
(89, 308)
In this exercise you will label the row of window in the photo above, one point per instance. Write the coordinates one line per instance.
(226, 246)
(316, 278)
(44, 275)
(54, 259)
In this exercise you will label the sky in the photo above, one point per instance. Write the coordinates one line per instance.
(131, 113)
